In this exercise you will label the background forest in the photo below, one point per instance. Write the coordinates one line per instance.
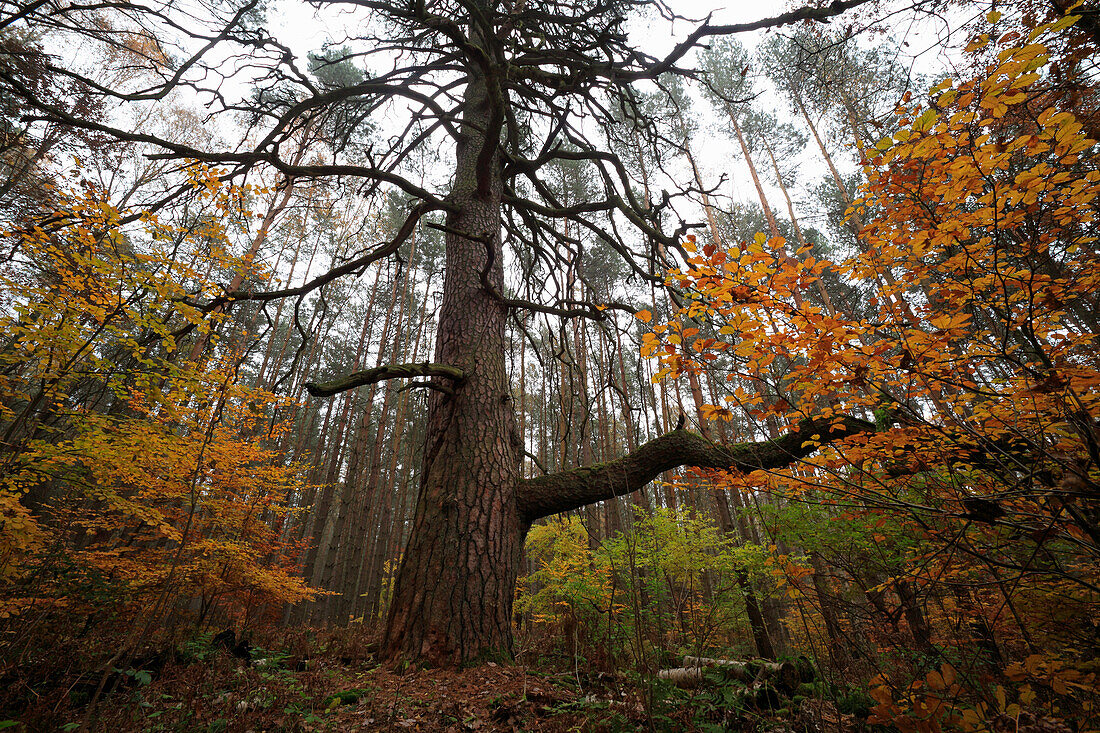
(885, 220)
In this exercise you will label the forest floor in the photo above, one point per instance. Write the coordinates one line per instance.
(226, 694)
(335, 685)
(335, 696)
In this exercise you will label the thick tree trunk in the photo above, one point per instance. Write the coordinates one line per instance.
(453, 595)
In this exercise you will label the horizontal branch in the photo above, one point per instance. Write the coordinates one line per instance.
(382, 373)
(559, 492)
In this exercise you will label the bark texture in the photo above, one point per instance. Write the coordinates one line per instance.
(453, 593)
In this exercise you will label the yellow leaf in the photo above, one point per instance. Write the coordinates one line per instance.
(926, 119)
(978, 43)
(644, 316)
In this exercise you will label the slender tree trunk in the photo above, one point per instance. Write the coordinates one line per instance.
(826, 299)
(837, 642)
(355, 560)
(639, 498)
(335, 446)
(760, 636)
(275, 207)
(582, 417)
(352, 496)
(371, 582)
(773, 226)
(914, 615)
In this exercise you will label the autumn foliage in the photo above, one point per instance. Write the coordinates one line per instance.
(977, 354)
(136, 478)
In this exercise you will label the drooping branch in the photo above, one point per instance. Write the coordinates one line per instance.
(582, 308)
(559, 492)
(382, 373)
(358, 264)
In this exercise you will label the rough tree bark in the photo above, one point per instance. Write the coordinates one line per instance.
(453, 594)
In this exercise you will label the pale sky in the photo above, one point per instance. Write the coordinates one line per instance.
(305, 28)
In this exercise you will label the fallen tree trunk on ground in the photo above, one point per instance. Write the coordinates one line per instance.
(757, 673)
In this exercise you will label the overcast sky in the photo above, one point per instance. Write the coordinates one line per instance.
(304, 28)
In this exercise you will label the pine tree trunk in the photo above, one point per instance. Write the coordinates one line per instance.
(773, 227)
(355, 558)
(453, 594)
(335, 448)
(826, 299)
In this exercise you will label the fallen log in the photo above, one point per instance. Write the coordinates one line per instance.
(759, 694)
(685, 677)
(745, 671)
(784, 676)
